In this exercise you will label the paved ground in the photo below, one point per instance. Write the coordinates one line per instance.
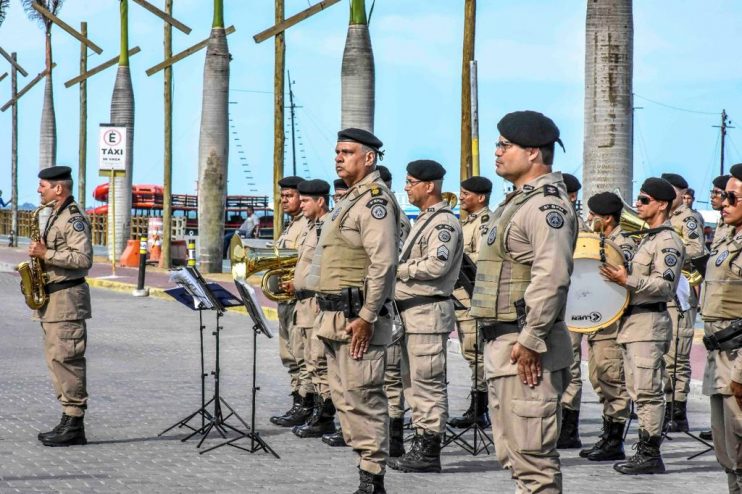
(144, 375)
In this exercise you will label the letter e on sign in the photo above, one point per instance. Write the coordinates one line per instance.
(112, 146)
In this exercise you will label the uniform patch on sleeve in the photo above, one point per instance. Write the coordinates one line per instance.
(691, 223)
(485, 218)
(442, 253)
(444, 226)
(491, 237)
(722, 257)
(671, 260)
(74, 209)
(693, 235)
(378, 212)
(335, 213)
(375, 191)
(552, 207)
(444, 236)
(78, 226)
(628, 254)
(551, 190)
(668, 275)
(555, 219)
(377, 201)
(670, 250)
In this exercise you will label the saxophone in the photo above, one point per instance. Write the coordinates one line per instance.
(33, 278)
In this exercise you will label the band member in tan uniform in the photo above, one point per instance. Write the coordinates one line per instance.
(719, 185)
(605, 361)
(66, 251)
(645, 330)
(353, 271)
(474, 199)
(314, 196)
(722, 316)
(569, 434)
(428, 269)
(686, 223)
(523, 276)
(290, 344)
(341, 188)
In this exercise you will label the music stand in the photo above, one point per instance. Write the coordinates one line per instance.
(197, 294)
(260, 325)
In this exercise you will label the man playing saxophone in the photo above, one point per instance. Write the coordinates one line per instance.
(66, 251)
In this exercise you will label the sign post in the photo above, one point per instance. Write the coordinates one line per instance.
(112, 163)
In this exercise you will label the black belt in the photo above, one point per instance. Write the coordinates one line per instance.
(643, 308)
(304, 294)
(62, 285)
(332, 303)
(729, 338)
(492, 331)
(403, 305)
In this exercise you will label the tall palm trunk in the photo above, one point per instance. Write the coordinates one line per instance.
(48, 140)
(609, 53)
(122, 115)
(357, 76)
(213, 148)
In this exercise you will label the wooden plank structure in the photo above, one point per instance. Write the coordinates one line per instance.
(13, 62)
(294, 19)
(26, 89)
(66, 27)
(99, 68)
(183, 54)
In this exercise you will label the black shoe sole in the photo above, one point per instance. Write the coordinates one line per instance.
(310, 434)
(611, 458)
(404, 469)
(75, 442)
(334, 444)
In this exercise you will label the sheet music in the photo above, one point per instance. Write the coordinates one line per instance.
(250, 300)
(185, 279)
(683, 293)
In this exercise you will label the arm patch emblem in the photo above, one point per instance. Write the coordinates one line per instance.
(552, 207)
(555, 220)
(671, 260)
(551, 190)
(378, 212)
(444, 236)
(668, 275)
(442, 253)
(376, 201)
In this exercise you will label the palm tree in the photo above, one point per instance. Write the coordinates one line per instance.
(122, 115)
(48, 140)
(213, 146)
(3, 10)
(357, 77)
(609, 53)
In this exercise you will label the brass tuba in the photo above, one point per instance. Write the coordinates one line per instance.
(278, 265)
(451, 198)
(33, 278)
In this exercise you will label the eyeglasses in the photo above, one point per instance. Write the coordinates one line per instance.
(644, 200)
(730, 197)
(503, 145)
(413, 183)
(715, 192)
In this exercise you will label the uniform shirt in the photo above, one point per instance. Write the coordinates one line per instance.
(69, 255)
(306, 310)
(722, 229)
(290, 236)
(434, 262)
(404, 229)
(474, 227)
(687, 225)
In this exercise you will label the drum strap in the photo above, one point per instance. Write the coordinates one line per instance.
(648, 231)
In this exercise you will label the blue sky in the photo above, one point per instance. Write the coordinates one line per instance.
(530, 55)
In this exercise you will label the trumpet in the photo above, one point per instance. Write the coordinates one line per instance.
(278, 264)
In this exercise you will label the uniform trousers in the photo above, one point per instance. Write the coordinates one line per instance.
(393, 386)
(643, 367)
(726, 427)
(572, 396)
(467, 331)
(681, 364)
(357, 388)
(424, 359)
(525, 427)
(605, 364)
(64, 350)
(315, 362)
(291, 343)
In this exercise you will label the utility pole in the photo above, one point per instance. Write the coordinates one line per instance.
(83, 136)
(167, 192)
(470, 16)
(292, 107)
(724, 126)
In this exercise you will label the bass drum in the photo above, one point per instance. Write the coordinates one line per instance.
(593, 303)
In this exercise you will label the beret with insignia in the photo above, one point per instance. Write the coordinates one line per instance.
(339, 184)
(529, 129)
(426, 170)
(659, 189)
(384, 173)
(290, 182)
(675, 180)
(477, 184)
(361, 137)
(573, 185)
(605, 203)
(56, 173)
(314, 187)
(736, 171)
(720, 182)
(691, 192)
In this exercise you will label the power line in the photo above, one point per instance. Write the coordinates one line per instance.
(672, 107)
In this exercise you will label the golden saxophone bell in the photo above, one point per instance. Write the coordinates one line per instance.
(451, 198)
(278, 265)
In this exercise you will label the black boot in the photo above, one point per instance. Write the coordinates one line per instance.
(69, 434)
(294, 407)
(424, 456)
(610, 446)
(396, 437)
(56, 429)
(336, 439)
(569, 436)
(478, 399)
(706, 435)
(679, 422)
(321, 422)
(647, 459)
(370, 483)
(300, 415)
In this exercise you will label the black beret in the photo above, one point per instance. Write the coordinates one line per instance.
(573, 185)
(736, 171)
(720, 182)
(477, 184)
(56, 173)
(360, 136)
(314, 187)
(340, 185)
(290, 182)
(675, 180)
(659, 189)
(691, 192)
(426, 170)
(529, 129)
(384, 173)
(605, 203)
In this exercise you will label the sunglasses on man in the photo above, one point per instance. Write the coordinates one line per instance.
(730, 197)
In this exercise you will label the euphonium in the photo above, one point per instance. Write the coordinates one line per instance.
(451, 198)
(278, 265)
(33, 278)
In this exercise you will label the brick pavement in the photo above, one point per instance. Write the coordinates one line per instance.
(143, 376)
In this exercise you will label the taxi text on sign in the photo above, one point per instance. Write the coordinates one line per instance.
(112, 148)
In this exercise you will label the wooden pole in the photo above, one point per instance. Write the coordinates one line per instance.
(474, 119)
(165, 16)
(83, 138)
(470, 7)
(14, 150)
(26, 88)
(278, 133)
(180, 56)
(66, 27)
(283, 25)
(109, 63)
(13, 63)
(167, 206)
